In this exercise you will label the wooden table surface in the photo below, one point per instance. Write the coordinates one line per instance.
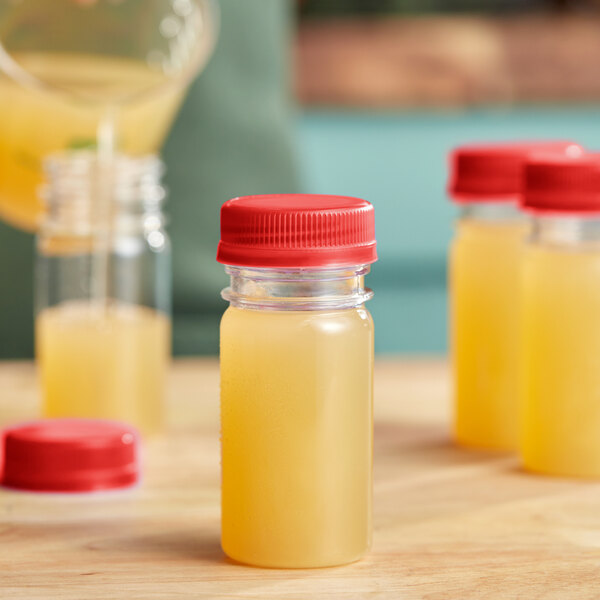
(449, 524)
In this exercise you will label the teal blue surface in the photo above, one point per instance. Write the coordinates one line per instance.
(398, 162)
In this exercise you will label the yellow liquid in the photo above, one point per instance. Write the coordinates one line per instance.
(35, 123)
(296, 427)
(561, 339)
(106, 363)
(484, 315)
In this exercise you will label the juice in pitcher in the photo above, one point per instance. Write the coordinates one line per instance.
(77, 75)
(35, 122)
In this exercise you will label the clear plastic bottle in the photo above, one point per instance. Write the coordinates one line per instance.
(296, 380)
(561, 318)
(103, 339)
(484, 272)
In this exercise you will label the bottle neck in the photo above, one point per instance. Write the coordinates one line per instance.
(84, 196)
(297, 289)
(492, 211)
(566, 230)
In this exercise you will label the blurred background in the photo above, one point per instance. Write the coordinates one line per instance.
(354, 97)
(386, 88)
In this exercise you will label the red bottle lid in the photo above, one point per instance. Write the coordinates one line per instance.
(562, 184)
(297, 230)
(494, 172)
(70, 455)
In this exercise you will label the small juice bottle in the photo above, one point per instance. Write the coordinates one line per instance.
(561, 317)
(296, 380)
(103, 328)
(484, 271)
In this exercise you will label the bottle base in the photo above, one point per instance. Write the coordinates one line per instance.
(485, 446)
(263, 563)
(561, 473)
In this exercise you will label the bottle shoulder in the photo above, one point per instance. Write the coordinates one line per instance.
(326, 320)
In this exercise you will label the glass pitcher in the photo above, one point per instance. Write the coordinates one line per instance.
(78, 74)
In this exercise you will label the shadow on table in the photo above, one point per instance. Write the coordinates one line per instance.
(193, 544)
(421, 475)
(121, 537)
(423, 446)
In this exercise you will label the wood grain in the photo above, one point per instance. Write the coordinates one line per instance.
(449, 524)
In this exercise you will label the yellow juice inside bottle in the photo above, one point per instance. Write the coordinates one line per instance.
(484, 315)
(107, 362)
(296, 426)
(561, 339)
(37, 122)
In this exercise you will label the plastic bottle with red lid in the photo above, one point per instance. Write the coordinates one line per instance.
(486, 182)
(561, 316)
(296, 380)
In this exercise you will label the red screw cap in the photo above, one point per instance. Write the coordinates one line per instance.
(297, 230)
(70, 455)
(562, 184)
(494, 172)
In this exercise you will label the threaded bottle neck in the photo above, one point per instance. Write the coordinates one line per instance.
(84, 194)
(567, 231)
(297, 289)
